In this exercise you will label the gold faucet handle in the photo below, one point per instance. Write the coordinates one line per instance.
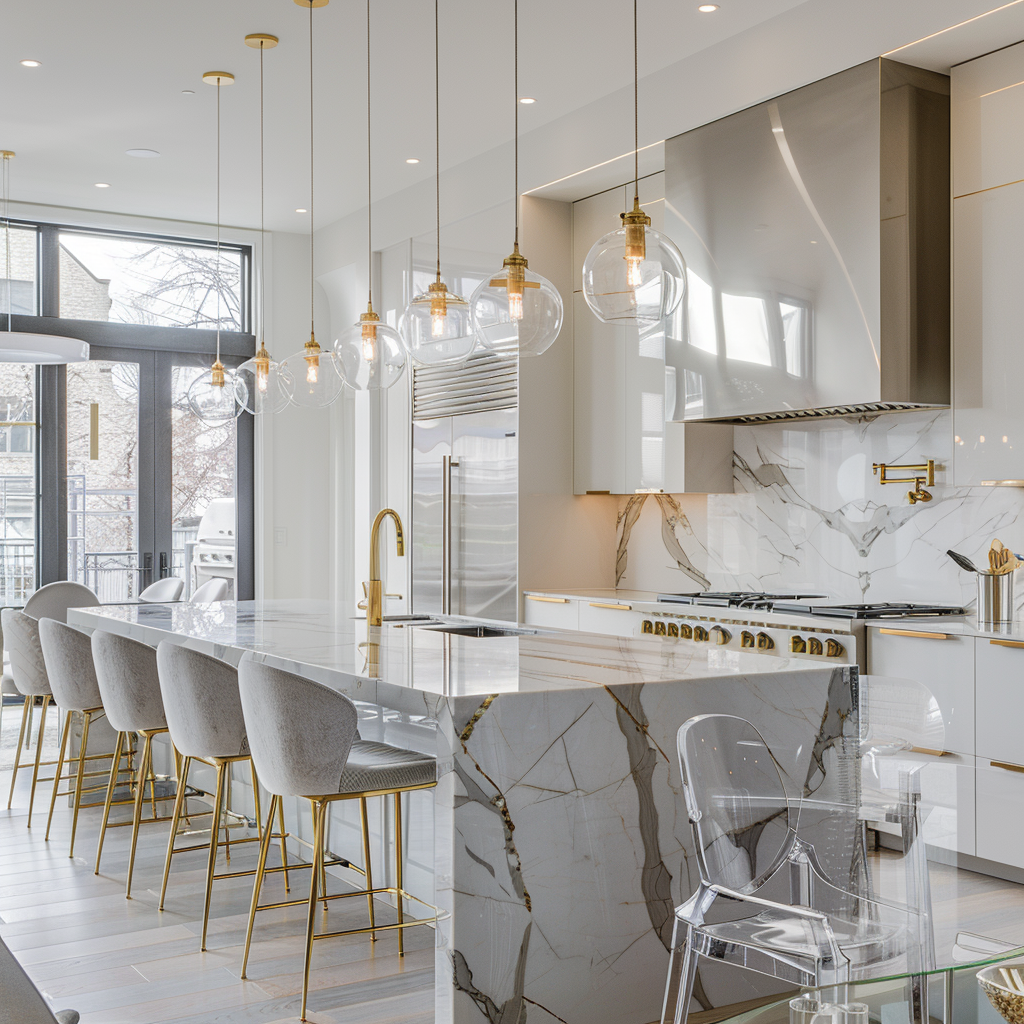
(366, 593)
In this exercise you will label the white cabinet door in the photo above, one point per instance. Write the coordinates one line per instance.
(610, 618)
(988, 359)
(555, 612)
(1000, 700)
(1000, 823)
(942, 663)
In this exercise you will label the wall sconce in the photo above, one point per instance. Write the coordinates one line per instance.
(924, 476)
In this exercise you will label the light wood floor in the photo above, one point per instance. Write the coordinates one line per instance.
(121, 961)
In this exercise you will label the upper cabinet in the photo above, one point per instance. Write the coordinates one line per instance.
(626, 388)
(988, 267)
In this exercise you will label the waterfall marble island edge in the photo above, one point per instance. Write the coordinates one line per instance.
(561, 843)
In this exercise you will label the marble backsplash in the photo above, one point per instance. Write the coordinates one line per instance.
(808, 514)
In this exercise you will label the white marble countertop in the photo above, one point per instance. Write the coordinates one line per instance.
(409, 667)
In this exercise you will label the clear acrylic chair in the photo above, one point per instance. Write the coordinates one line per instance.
(748, 848)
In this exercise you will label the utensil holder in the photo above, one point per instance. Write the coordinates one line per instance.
(995, 599)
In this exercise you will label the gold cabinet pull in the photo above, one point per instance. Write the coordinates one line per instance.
(614, 607)
(1007, 766)
(1007, 643)
(549, 600)
(914, 632)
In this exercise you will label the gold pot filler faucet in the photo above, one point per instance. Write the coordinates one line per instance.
(374, 588)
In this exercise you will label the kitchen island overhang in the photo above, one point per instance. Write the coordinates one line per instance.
(560, 841)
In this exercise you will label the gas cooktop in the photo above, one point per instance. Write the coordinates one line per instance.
(762, 601)
(795, 603)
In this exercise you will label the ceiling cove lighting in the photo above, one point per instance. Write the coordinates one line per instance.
(314, 371)
(23, 346)
(214, 396)
(634, 275)
(370, 354)
(266, 387)
(516, 310)
(436, 326)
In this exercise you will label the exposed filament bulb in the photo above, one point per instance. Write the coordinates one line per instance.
(635, 223)
(261, 380)
(437, 325)
(262, 361)
(369, 342)
(438, 308)
(515, 305)
(634, 276)
(312, 358)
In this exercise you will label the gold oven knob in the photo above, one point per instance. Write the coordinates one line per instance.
(721, 634)
(673, 629)
(647, 627)
(798, 645)
(700, 634)
(765, 642)
(685, 631)
(659, 629)
(747, 639)
(814, 646)
(834, 649)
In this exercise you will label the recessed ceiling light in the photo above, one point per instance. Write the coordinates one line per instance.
(102, 184)
(30, 63)
(412, 160)
(707, 8)
(300, 209)
(144, 154)
(527, 100)
(188, 92)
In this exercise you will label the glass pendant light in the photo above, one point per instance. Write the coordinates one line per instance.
(317, 382)
(516, 310)
(370, 354)
(26, 346)
(267, 387)
(436, 326)
(217, 396)
(634, 275)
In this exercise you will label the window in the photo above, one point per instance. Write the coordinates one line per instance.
(132, 280)
(17, 483)
(18, 287)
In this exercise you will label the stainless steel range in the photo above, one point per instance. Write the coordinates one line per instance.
(789, 625)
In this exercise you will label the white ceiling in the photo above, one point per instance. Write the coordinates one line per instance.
(113, 72)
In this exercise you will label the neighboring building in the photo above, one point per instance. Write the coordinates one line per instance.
(82, 295)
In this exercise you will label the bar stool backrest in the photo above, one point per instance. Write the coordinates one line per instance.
(54, 600)
(28, 669)
(67, 653)
(300, 733)
(210, 592)
(165, 591)
(201, 702)
(129, 684)
(743, 825)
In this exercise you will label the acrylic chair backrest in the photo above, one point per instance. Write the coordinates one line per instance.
(210, 592)
(743, 825)
(54, 600)
(165, 591)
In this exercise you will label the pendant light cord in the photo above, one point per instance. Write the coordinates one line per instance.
(437, 133)
(218, 219)
(311, 221)
(636, 109)
(263, 233)
(7, 234)
(369, 173)
(515, 51)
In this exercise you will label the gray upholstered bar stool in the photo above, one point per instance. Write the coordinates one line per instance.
(305, 743)
(204, 715)
(127, 675)
(67, 653)
(21, 634)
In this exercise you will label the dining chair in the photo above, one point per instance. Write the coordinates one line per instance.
(210, 592)
(165, 591)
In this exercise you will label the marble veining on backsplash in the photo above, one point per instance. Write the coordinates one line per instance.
(808, 514)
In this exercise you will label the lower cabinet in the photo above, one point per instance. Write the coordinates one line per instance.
(609, 618)
(1000, 795)
(1000, 685)
(550, 612)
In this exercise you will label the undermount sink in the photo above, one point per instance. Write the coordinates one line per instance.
(482, 631)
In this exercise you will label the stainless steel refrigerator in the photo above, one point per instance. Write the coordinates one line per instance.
(465, 482)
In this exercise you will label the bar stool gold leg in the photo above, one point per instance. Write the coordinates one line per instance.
(257, 884)
(227, 831)
(83, 750)
(26, 703)
(256, 800)
(284, 841)
(115, 768)
(398, 870)
(179, 799)
(140, 796)
(366, 863)
(39, 755)
(214, 837)
(323, 870)
(319, 813)
(60, 771)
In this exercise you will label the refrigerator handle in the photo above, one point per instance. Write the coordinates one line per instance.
(447, 464)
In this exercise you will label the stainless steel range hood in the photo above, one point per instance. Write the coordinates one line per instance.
(815, 228)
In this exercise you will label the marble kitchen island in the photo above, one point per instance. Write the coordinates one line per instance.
(560, 840)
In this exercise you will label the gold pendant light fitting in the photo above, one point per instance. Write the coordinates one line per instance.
(312, 3)
(634, 222)
(261, 41)
(217, 374)
(218, 78)
(7, 154)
